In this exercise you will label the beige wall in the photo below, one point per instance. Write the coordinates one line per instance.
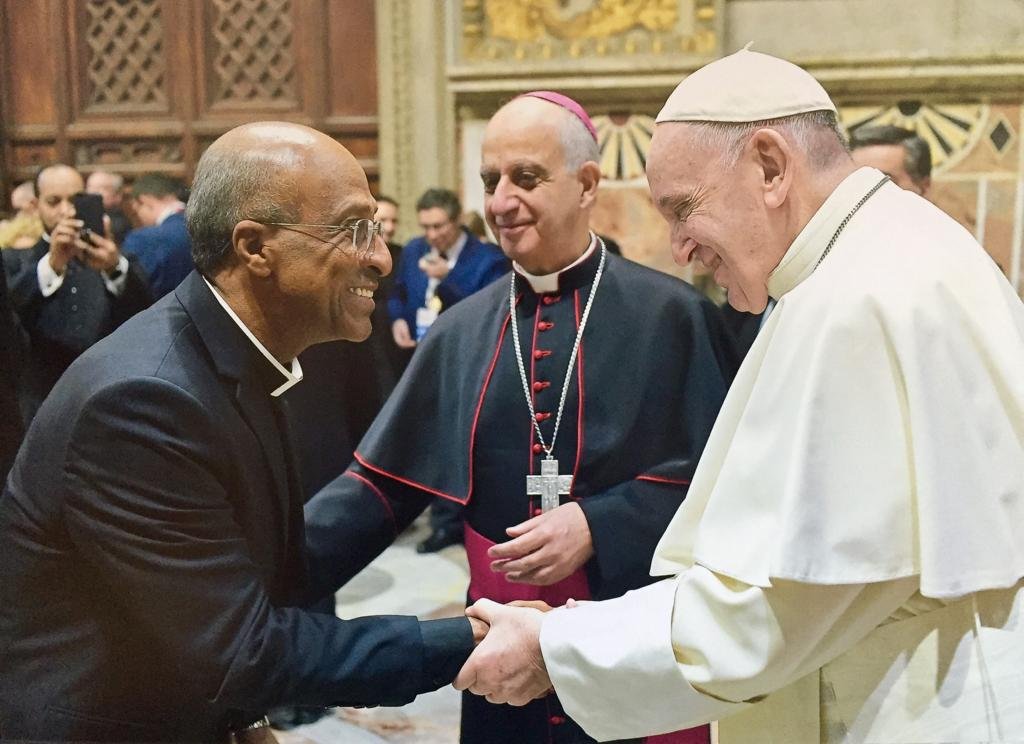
(947, 61)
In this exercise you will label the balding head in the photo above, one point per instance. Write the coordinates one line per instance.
(23, 198)
(251, 172)
(578, 144)
(106, 184)
(55, 187)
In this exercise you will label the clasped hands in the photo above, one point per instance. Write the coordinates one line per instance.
(507, 665)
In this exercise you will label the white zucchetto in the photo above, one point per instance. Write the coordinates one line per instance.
(744, 87)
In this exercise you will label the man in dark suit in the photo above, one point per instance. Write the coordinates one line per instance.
(69, 291)
(151, 532)
(162, 244)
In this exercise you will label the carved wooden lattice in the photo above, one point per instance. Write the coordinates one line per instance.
(126, 53)
(253, 58)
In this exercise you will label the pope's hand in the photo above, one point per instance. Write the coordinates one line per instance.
(507, 667)
(546, 549)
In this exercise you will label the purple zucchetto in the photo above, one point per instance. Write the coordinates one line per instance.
(568, 104)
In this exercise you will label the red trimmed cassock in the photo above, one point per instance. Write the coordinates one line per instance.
(652, 371)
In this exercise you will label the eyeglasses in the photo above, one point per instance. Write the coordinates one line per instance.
(359, 232)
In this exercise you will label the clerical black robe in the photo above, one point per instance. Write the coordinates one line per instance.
(653, 368)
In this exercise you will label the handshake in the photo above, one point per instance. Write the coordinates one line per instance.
(507, 665)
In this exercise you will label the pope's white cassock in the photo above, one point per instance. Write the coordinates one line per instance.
(847, 565)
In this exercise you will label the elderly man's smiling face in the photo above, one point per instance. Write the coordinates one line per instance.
(535, 206)
(715, 213)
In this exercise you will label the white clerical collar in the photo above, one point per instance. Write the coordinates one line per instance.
(168, 211)
(549, 282)
(292, 377)
(803, 255)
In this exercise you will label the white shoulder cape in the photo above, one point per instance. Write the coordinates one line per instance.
(876, 428)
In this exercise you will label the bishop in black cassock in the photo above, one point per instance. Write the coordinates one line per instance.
(651, 373)
(652, 370)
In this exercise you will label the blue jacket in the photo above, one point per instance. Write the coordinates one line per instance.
(164, 251)
(479, 264)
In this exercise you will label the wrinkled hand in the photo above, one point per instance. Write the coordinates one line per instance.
(508, 666)
(400, 332)
(546, 549)
(100, 252)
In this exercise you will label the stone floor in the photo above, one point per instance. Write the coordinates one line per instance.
(400, 582)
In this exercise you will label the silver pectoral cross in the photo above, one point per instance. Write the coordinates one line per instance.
(549, 485)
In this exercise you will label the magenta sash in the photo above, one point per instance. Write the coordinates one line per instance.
(487, 584)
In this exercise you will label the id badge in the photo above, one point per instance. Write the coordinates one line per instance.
(425, 318)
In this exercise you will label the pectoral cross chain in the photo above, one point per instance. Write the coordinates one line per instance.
(549, 485)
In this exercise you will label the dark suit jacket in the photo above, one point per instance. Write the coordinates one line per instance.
(164, 251)
(11, 355)
(63, 325)
(151, 552)
(479, 264)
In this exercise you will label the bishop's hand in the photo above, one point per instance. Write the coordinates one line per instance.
(546, 549)
(507, 667)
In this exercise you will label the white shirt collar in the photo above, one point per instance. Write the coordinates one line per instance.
(549, 282)
(292, 377)
(456, 249)
(803, 254)
(168, 211)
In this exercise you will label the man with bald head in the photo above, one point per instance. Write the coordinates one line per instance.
(569, 428)
(151, 531)
(69, 289)
(847, 566)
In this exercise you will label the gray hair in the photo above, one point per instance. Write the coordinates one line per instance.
(816, 133)
(231, 186)
(578, 145)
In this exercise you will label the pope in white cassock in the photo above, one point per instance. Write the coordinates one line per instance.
(847, 566)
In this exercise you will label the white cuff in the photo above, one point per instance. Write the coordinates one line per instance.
(614, 668)
(49, 280)
(116, 286)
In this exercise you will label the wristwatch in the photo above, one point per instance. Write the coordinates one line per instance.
(117, 272)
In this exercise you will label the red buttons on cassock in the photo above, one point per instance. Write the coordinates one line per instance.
(537, 512)
(537, 449)
(550, 299)
(541, 353)
(542, 416)
(541, 385)
(545, 325)
(556, 720)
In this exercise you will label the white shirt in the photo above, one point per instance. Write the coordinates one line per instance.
(291, 377)
(50, 281)
(542, 283)
(866, 466)
(452, 258)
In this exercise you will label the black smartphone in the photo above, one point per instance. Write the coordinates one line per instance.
(89, 209)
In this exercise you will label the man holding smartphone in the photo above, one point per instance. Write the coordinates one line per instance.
(71, 288)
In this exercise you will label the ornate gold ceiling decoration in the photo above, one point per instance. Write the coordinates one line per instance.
(624, 142)
(543, 30)
(951, 131)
